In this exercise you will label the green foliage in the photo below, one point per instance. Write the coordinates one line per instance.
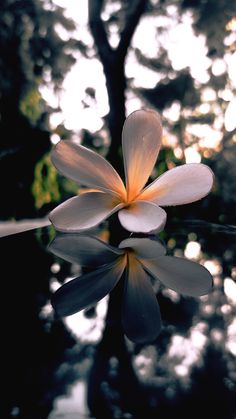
(211, 18)
(181, 89)
(68, 187)
(45, 187)
(166, 160)
(31, 105)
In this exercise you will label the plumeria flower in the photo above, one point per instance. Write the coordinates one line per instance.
(136, 261)
(139, 207)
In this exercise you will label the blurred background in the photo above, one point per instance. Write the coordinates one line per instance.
(75, 70)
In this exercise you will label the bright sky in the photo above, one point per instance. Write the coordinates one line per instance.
(77, 11)
(184, 49)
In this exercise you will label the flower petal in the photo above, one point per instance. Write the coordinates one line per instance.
(141, 316)
(181, 275)
(141, 141)
(84, 211)
(84, 250)
(142, 217)
(7, 228)
(88, 289)
(144, 247)
(86, 167)
(181, 185)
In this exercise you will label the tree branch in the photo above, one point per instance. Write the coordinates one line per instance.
(98, 31)
(106, 53)
(134, 13)
(113, 61)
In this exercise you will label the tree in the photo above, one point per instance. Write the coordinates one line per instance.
(113, 61)
(200, 101)
(32, 53)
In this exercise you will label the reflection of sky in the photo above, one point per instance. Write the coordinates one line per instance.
(88, 329)
(184, 50)
(72, 405)
(185, 352)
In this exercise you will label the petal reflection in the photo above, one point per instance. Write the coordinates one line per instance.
(141, 258)
(181, 275)
(88, 289)
(82, 249)
(144, 247)
(140, 310)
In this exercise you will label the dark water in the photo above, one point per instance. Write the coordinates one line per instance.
(179, 356)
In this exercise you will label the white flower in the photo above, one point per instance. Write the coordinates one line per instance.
(139, 207)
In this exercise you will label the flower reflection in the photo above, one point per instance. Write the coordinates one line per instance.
(139, 208)
(137, 261)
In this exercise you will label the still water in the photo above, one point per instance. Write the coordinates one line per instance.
(144, 327)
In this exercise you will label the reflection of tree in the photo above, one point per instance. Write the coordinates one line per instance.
(112, 383)
(120, 370)
(210, 382)
(159, 379)
(141, 380)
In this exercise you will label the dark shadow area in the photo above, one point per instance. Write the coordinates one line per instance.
(32, 344)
